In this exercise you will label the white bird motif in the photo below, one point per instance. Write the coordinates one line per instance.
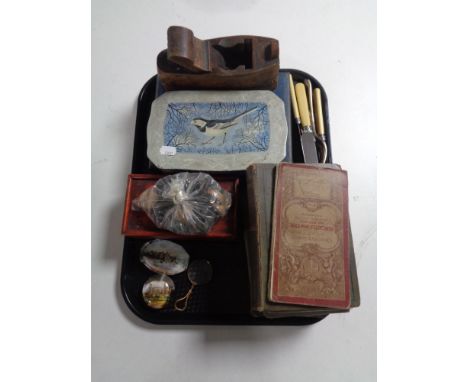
(218, 127)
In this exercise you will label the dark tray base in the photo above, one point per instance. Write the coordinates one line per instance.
(226, 299)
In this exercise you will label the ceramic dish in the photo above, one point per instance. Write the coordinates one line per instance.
(194, 130)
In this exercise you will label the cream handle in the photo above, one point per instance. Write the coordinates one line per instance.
(294, 100)
(303, 104)
(319, 126)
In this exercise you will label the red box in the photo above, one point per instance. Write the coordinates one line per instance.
(138, 224)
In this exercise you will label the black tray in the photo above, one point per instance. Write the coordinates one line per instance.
(226, 299)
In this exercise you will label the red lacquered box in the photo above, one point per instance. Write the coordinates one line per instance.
(138, 224)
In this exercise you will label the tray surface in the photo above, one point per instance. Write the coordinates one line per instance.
(225, 300)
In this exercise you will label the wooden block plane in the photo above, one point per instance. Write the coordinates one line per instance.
(226, 63)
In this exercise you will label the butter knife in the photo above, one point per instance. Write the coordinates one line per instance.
(307, 132)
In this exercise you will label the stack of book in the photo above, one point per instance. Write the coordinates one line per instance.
(299, 245)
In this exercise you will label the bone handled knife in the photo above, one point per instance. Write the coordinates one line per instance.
(294, 101)
(307, 133)
(319, 125)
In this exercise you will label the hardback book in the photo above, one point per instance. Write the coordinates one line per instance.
(309, 262)
(260, 192)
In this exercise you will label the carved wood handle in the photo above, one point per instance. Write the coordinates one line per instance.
(186, 50)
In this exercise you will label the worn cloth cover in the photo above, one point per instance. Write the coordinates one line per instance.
(260, 190)
(310, 237)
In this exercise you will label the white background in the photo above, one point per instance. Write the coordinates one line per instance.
(45, 162)
(335, 41)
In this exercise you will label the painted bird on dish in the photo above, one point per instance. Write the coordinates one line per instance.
(217, 127)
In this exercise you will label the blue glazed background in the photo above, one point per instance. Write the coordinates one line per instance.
(250, 134)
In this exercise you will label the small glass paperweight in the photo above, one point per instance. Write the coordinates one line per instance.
(157, 291)
(163, 256)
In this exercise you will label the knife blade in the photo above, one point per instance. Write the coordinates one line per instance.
(308, 85)
(309, 149)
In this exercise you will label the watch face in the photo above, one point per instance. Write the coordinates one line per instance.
(200, 272)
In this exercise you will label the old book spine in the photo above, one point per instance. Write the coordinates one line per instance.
(273, 237)
(355, 294)
(253, 240)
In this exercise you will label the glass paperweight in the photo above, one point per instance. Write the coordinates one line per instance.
(163, 256)
(157, 291)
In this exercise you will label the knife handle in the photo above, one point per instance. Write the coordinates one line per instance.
(294, 100)
(303, 105)
(319, 126)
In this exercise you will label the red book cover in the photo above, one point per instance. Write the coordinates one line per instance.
(309, 263)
